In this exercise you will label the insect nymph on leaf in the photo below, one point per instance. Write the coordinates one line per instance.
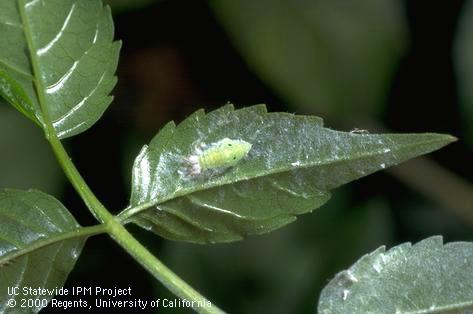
(219, 155)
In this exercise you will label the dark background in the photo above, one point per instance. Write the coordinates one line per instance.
(178, 57)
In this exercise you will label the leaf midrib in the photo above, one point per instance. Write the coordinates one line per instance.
(131, 211)
(39, 88)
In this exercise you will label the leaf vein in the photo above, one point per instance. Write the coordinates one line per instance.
(7, 23)
(53, 88)
(21, 222)
(16, 69)
(58, 36)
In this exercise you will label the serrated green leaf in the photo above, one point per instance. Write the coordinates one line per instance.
(31, 253)
(292, 166)
(338, 55)
(59, 56)
(428, 277)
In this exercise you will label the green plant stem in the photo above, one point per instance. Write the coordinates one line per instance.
(116, 230)
(95, 206)
(119, 233)
(161, 272)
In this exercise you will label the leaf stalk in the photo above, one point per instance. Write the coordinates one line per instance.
(112, 226)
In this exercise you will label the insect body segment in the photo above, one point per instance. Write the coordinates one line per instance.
(222, 154)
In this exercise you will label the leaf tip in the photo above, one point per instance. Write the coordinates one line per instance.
(451, 138)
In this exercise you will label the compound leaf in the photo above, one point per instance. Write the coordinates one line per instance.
(57, 57)
(33, 249)
(292, 166)
(428, 277)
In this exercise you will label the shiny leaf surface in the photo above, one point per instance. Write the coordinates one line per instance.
(32, 254)
(292, 166)
(59, 56)
(428, 277)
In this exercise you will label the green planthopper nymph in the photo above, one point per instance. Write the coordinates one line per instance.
(219, 155)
